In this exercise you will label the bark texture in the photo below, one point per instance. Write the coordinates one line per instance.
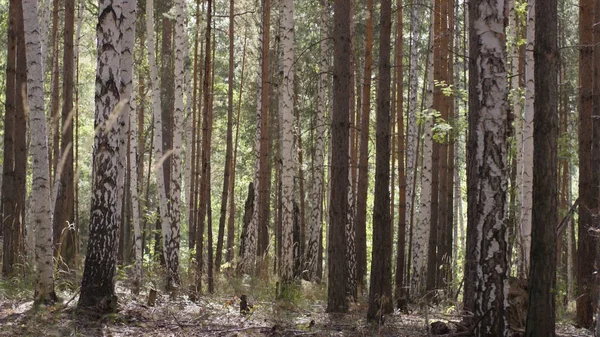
(380, 289)
(542, 276)
(338, 208)
(97, 286)
(487, 265)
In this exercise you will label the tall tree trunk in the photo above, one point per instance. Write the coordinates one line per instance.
(352, 288)
(586, 243)
(542, 276)
(229, 140)
(252, 236)
(363, 158)
(63, 217)
(54, 104)
(411, 130)
(399, 290)
(157, 128)
(336, 251)
(528, 129)
(316, 216)
(193, 200)
(265, 167)
(286, 111)
(15, 149)
(487, 265)
(206, 131)
(380, 289)
(172, 246)
(230, 220)
(97, 286)
(420, 243)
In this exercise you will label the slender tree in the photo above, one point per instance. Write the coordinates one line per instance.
(286, 112)
(206, 134)
(229, 140)
(486, 274)
(363, 154)
(14, 165)
(420, 241)
(586, 242)
(380, 289)
(399, 291)
(159, 164)
(97, 286)
(526, 173)
(316, 215)
(542, 276)
(336, 251)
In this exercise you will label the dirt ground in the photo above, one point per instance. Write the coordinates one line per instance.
(216, 316)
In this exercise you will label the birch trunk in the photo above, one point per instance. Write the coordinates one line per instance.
(97, 286)
(316, 215)
(157, 129)
(172, 246)
(421, 232)
(248, 261)
(487, 168)
(411, 132)
(40, 195)
(527, 169)
(128, 95)
(286, 110)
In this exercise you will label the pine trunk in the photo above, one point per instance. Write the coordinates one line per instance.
(380, 289)
(338, 205)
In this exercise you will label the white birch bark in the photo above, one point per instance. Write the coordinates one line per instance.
(128, 95)
(157, 141)
(316, 214)
(527, 168)
(286, 111)
(248, 260)
(411, 134)
(40, 191)
(488, 159)
(516, 98)
(421, 231)
(172, 246)
(44, 16)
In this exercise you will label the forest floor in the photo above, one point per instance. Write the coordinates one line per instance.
(217, 315)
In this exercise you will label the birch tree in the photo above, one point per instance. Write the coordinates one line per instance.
(40, 191)
(97, 285)
(128, 96)
(158, 132)
(486, 170)
(526, 173)
(63, 195)
(316, 215)
(420, 242)
(411, 131)
(286, 111)
(172, 246)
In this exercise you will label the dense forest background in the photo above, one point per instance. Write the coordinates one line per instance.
(409, 156)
